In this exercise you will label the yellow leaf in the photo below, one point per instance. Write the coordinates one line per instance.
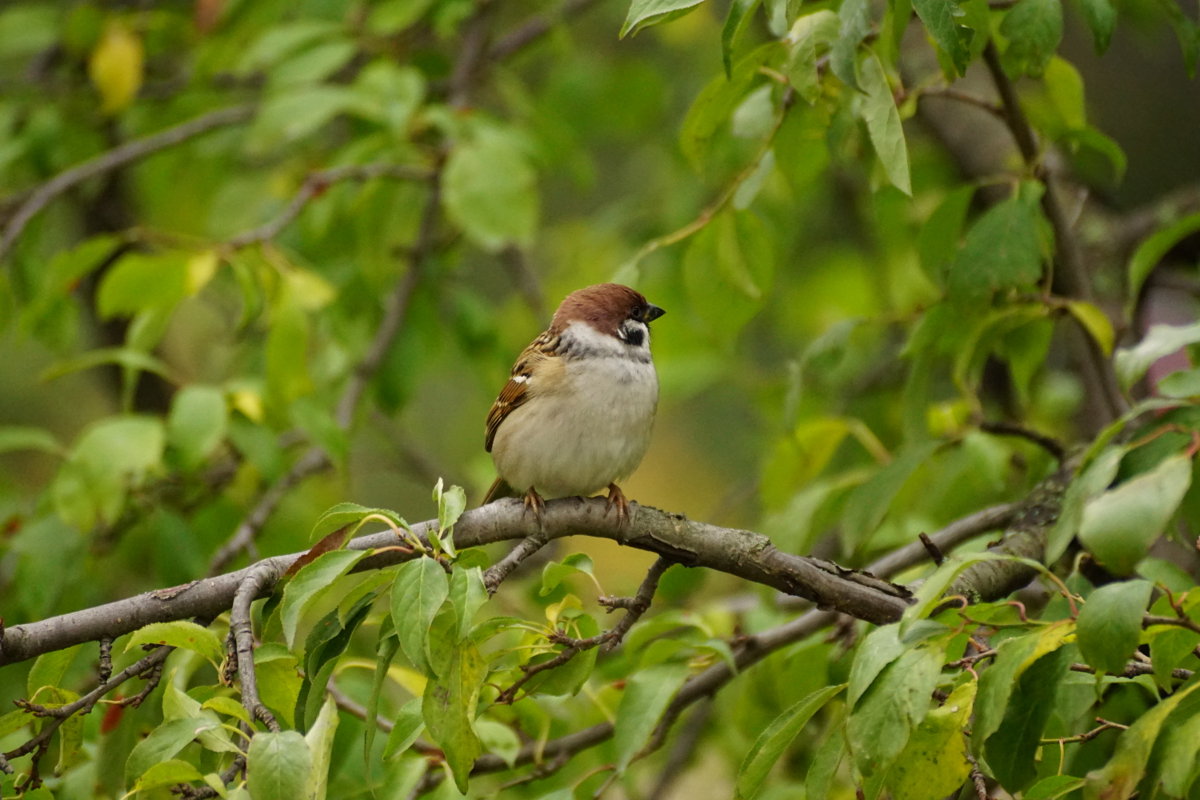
(200, 269)
(116, 67)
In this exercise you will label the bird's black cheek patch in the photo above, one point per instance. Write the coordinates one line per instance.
(633, 336)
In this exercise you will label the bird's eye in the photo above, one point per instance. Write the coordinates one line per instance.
(637, 313)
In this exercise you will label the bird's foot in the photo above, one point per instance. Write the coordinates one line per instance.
(617, 498)
(534, 502)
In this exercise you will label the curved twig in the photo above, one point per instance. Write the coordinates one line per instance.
(259, 579)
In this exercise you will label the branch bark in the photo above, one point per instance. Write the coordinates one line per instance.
(745, 554)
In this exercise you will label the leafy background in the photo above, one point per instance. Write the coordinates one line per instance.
(874, 272)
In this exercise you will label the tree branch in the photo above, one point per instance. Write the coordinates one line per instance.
(738, 552)
(314, 185)
(260, 579)
(119, 156)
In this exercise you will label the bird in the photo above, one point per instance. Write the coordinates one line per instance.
(576, 413)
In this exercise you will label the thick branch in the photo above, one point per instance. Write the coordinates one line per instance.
(114, 159)
(737, 552)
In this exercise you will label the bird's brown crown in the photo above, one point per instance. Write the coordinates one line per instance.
(604, 306)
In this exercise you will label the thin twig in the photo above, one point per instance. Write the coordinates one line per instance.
(951, 93)
(637, 606)
(935, 553)
(525, 548)
(260, 579)
(118, 157)
(57, 716)
(535, 28)
(313, 186)
(1047, 443)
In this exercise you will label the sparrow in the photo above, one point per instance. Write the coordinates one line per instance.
(576, 413)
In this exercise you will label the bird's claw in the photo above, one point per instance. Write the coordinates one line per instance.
(617, 498)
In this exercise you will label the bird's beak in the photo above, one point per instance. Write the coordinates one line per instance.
(652, 312)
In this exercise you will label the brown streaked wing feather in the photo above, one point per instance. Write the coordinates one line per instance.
(516, 391)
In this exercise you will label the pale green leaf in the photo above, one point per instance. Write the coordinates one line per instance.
(878, 109)
(942, 18)
(777, 736)
(450, 702)
(420, 588)
(164, 742)
(278, 766)
(306, 587)
(1109, 626)
(490, 191)
(1119, 526)
(197, 423)
(180, 633)
(643, 702)
(644, 13)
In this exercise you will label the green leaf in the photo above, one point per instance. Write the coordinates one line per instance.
(111, 456)
(420, 588)
(1182, 384)
(138, 281)
(1012, 749)
(777, 736)
(885, 716)
(287, 353)
(296, 112)
(1053, 787)
(939, 237)
(278, 766)
(307, 586)
(868, 503)
(569, 678)
(498, 739)
(1094, 479)
(127, 358)
(930, 594)
(1101, 18)
(1003, 249)
(855, 17)
(740, 12)
(490, 191)
(941, 19)
(646, 697)
(878, 110)
(319, 739)
(1152, 250)
(27, 437)
(48, 670)
(644, 13)
(934, 762)
(467, 595)
(809, 35)
(1034, 30)
(1119, 526)
(1159, 341)
(1179, 748)
(1109, 626)
(166, 773)
(197, 423)
(880, 648)
(406, 728)
(729, 270)
(716, 102)
(1169, 648)
(1095, 322)
(555, 572)
(450, 702)
(350, 516)
(996, 684)
(164, 742)
(282, 40)
(1118, 779)
(181, 633)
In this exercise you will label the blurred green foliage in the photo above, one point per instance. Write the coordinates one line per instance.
(260, 259)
